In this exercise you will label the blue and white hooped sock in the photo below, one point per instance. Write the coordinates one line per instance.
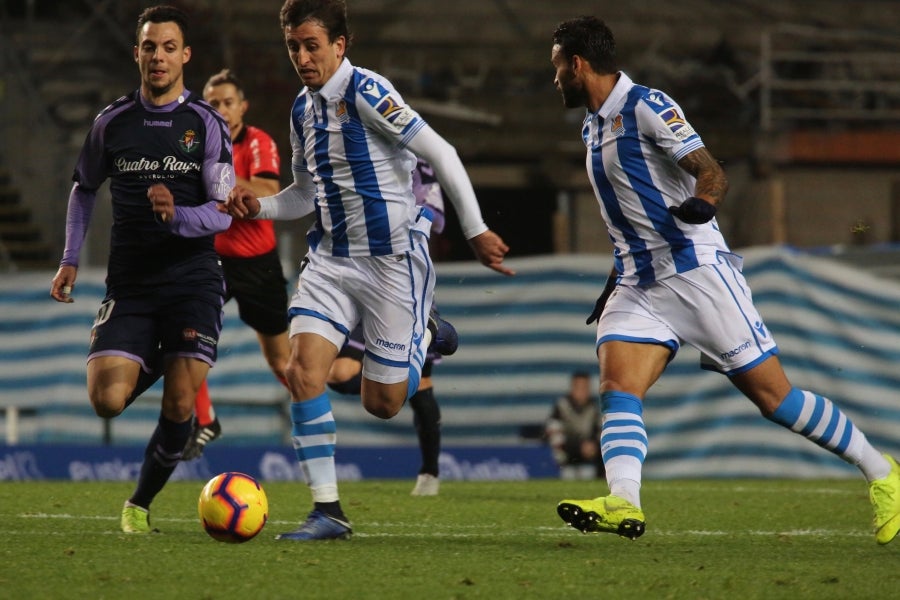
(314, 436)
(819, 420)
(412, 384)
(623, 444)
(416, 361)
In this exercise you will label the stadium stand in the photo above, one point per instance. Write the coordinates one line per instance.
(520, 339)
(480, 72)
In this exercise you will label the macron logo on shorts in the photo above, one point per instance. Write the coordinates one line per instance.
(736, 351)
(390, 345)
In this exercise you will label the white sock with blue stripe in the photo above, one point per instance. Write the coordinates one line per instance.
(415, 378)
(819, 420)
(417, 360)
(314, 436)
(623, 444)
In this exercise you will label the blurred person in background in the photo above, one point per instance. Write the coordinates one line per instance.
(253, 273)
(573, 430)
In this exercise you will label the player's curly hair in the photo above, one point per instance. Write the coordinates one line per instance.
(332, 14)
(589, 38)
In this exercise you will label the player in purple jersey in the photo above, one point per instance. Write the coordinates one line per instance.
(355, 142)
(675, 282)
(345, 376)
(168, 157)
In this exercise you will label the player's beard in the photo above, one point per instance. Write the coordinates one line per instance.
(157, 90)
(573, 94)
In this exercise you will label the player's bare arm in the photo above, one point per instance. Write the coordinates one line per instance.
(712, 184)
(490, 250)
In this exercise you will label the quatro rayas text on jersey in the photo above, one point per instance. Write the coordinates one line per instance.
(169, 163)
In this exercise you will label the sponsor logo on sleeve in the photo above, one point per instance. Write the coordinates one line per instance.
(403, 118)
(223, 186)
(676, 124)
(389, 108)
(388, 105)
(656, 98)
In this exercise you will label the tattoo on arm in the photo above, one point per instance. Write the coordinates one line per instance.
(711, 180)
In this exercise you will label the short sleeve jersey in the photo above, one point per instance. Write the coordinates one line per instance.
(255, 155)
(184, 145)
(634, 142)
(351, 137)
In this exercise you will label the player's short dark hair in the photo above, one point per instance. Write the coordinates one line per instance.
(332, 14)
(163, 13)
(589, 38)
(581, 375)
(225, 76)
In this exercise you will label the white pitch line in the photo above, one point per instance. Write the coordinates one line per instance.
(739, 489)
(370, 530)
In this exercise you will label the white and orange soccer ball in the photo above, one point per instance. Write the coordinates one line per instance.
(233, 507)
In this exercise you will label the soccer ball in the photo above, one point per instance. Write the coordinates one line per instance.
(233, 507)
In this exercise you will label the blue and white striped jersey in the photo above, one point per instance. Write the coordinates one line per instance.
(634, 143)
(351, 137)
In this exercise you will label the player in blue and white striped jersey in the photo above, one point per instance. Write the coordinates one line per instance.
(675, 281)
(355, 143)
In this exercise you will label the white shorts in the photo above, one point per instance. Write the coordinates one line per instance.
(709, 307)
(390, 294)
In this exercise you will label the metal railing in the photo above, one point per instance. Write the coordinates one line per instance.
(811, 74)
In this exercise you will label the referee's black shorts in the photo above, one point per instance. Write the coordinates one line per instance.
(258, 286)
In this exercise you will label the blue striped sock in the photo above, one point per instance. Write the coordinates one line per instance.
(417, 360)
(819, 420)
(412, 384)
(314, 436)
(623, 444)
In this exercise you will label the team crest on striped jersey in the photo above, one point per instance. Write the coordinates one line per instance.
(616, 126)
(342, 115)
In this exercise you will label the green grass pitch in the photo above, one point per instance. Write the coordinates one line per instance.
(705, 539)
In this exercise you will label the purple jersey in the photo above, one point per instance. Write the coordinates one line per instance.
(184, 145)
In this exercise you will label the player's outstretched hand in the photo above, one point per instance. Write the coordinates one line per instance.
(241, 203)
(694, 211)
(490, 250)
(61, 286)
